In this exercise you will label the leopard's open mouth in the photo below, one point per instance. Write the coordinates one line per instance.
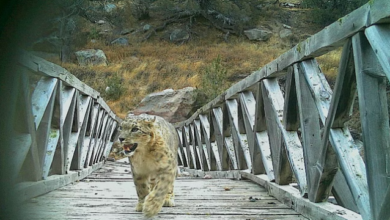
(128, 148)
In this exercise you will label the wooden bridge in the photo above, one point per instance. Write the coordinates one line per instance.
(290, 140)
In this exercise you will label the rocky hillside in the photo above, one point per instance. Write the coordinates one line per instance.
(126, 59)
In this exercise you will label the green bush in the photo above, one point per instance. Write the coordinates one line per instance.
(325, 12)
(114, 89)
(213, 79)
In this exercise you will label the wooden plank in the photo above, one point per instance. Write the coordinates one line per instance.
(53, 141)
(379, 11)
(248, 106)
(273, 100)
(344, 91)
(205, 127)
(22, 143)
(186, 145)
(195, 155)
(217, 119)
(339, 112)
(181, 147)
(49, 69)
(343, 144)
(68, 109)
(44, 131)
(292, 198)
(94, 136)
(28, 190)
(240, 141)
(282, 169)
(262, 134)
(311, 139)
(85, 111)
(379, 38)
(41, 97)
(342, 193)
(195, 198)
(32, 168)
(101, 138)
(375, 124)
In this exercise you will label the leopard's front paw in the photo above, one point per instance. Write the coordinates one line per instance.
(169, 200)
(139, 207)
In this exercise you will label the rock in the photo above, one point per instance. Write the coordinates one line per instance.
(258, 34)
(146, 27)
(179, 35)
(173, 106)
(286, 26)
(285, 33)
(126, 31)
(100, 22)
(120, 41)
(91, 57)
(109, 7)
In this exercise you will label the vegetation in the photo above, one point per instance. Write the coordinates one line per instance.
(216, 55)
(325, 12)
(213, 79)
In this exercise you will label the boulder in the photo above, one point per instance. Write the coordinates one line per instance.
(172, 105)
(109, 7)
(179, 35)
(258, 34)
(91, 57)
(285, 33)
(146, 27)
(121, 41)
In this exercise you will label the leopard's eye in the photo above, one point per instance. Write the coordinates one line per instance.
(120, 128)
(134, 129)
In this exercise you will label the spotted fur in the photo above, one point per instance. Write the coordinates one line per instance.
(151, 145)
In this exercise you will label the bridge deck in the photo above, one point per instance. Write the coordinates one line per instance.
(110, 194)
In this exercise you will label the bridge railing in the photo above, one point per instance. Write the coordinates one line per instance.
(63, 129)
(297, 132)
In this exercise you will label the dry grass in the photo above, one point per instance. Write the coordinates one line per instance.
(157, 65)
(329, 64)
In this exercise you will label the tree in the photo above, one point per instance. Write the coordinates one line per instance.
(328, 11)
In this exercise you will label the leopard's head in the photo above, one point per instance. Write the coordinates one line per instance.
(135, 133)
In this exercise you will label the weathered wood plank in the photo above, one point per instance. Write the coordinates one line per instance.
(342, 193)
(180, 151)
(204, 159)
(41, 97)
(274, 101)
(205, 127)
(49, 69)
(28, 190)
(195, 198)
(379, 38)
(217, 119)
(331, 37)
(262, 134)
(311, 138)
(248, 106)
(227, 141)
(375, 124)
(240, 141)
(186, 144)
(54, 137)
(195, 154)
(292, 198)
(22, 143)
(343, 144)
